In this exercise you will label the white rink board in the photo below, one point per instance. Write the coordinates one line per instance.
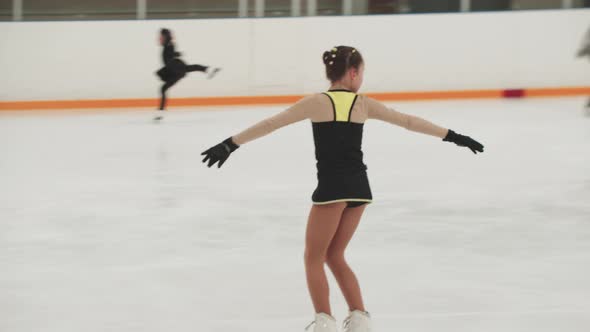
(278, 56)
(110, 223)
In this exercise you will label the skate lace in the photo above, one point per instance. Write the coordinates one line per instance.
(346, 323)
(309, 326)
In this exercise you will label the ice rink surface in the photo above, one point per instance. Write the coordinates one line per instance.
(109, 222)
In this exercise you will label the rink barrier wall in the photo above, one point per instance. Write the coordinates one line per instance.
(109, 64)
(288, 99)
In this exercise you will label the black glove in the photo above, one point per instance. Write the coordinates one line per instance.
(219, 153)
(461, 140)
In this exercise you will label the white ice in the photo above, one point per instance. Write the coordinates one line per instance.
(109, 222)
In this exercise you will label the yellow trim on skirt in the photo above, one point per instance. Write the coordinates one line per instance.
(344, 200)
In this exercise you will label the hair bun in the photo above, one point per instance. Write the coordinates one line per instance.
(339, 59)
(327, 57)
(331, 56)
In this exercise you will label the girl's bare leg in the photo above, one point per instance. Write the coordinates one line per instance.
(321, 226)
(346, 278)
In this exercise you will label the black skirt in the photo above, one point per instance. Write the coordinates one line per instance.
(173, 71)
(334, 188)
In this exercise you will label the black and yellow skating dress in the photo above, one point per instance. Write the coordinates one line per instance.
(337, 118)
(342, 175)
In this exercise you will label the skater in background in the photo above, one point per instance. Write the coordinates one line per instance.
(174, 68)
(585, 47)
(337, 118)
(584, 51)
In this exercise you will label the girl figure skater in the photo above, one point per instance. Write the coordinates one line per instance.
(337, 117)
(584, 51)
(174, 68)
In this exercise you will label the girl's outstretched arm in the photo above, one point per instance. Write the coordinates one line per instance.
(377, 110)
(220, 152)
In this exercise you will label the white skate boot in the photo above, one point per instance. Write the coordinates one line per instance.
(323, 323)
(357, 321)
(211, 72)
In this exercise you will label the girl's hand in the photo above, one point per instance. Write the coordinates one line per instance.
(462, 140)
(219, 153)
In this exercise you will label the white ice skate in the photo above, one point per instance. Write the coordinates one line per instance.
(211, 72)
(357, 321)
(323, 323)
